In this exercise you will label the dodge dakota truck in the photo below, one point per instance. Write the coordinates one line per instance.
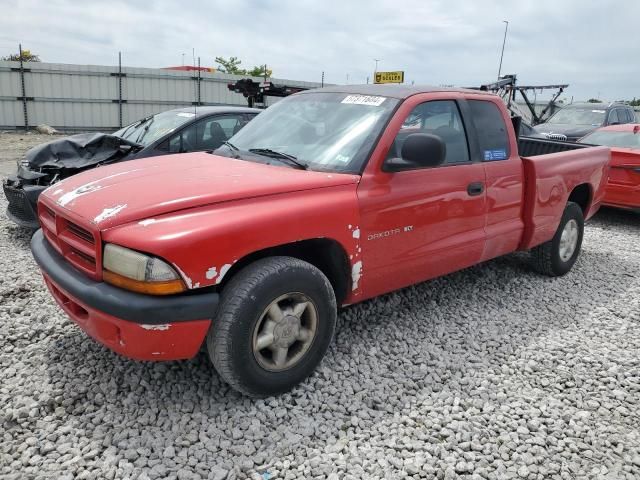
(328, 198)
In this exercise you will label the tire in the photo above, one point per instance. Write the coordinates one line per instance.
(245, 317)
(547, 258)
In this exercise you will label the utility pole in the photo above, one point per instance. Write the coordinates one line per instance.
(504, 40)
(376, 67)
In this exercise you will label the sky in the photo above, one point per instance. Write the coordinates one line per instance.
(592, 45)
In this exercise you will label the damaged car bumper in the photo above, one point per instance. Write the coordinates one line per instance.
(22, 202)
(142, 327)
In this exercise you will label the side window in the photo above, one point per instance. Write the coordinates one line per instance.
(438, 117)
(206, 134)
(629, 113)
(214, 131)
(184, 140)
(491, 130)
(613, 117)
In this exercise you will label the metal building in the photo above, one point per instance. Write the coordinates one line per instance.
(94, 97)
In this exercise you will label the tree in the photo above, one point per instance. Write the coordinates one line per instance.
(260, 71)
(27, 56)
(594, 100)
(232, 65)
(635, 102)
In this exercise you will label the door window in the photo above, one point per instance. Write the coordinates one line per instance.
(613, 117)
(441, 118)
(628, 115)
(491, 130)
(206, 134)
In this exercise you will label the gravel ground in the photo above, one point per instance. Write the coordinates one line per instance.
(14, 145)
(493, 372)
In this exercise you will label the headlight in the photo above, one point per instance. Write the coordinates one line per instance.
(138, 272)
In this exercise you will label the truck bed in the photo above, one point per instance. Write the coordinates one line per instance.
(550, 179)
(532, 146)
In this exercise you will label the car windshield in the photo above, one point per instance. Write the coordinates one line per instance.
(324, 131)
(612, 138)
(579, 116)
(150, 129)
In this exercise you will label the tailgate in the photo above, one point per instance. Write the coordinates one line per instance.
(550, 179)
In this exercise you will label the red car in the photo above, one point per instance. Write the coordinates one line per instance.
(327, 198)
(623, 187)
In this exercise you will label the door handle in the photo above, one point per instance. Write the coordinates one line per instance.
(475, 188)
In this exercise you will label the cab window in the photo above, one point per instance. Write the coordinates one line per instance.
(491, 130)
(441, 118)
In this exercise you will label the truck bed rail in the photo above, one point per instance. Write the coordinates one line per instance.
(531, 147)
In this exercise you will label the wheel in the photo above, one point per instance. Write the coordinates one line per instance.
(274, 324)
(556, 257)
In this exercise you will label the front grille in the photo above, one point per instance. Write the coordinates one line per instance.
(557, 136)
(77, 244)
(19, 205)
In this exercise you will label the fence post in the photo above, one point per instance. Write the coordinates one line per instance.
(120, 88)
(24, 91)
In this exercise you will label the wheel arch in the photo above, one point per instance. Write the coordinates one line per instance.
(582, 195)
(326, 254)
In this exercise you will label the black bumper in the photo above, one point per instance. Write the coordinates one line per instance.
(22, 206)
(134, 307)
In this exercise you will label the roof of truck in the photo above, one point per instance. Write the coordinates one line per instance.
(393, 91)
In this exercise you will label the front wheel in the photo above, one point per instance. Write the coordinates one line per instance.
(556, 257)
(275, 322)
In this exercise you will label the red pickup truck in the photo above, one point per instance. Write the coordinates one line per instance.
(328, 198)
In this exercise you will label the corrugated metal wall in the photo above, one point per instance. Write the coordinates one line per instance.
(86, 97)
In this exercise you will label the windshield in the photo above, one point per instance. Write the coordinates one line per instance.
(324, 131)
(150, 129)
(611, 138)
(579, 116)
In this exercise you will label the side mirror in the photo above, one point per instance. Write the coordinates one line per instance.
(419, 150)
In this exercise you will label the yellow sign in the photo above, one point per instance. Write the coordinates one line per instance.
(389, 77)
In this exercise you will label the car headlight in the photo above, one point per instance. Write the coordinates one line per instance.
(135, 271)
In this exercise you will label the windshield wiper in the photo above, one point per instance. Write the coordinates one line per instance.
(146, 129)
(267, 152)
(231, 146)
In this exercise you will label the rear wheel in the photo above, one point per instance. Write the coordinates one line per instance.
(275, 322)
(556, 257)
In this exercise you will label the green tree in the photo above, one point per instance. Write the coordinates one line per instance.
(635, 102)
(27, 56)
(230, 65)
(260, 71)
(594, 100)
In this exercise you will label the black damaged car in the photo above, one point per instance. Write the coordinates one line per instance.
(175, 131)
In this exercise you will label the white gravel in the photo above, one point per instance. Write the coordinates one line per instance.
(494, 372)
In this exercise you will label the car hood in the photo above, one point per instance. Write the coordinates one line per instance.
(130, 191)
(79, 151)
(573, 131)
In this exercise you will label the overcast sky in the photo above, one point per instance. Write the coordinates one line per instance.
(594, 45)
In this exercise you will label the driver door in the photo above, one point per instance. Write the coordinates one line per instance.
(425, 222)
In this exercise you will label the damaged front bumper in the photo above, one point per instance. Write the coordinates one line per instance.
(22, 202)
(142, 327)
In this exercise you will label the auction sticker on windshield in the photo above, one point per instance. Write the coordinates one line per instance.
(364, 100)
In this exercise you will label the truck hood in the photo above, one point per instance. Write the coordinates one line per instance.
(144, 188)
